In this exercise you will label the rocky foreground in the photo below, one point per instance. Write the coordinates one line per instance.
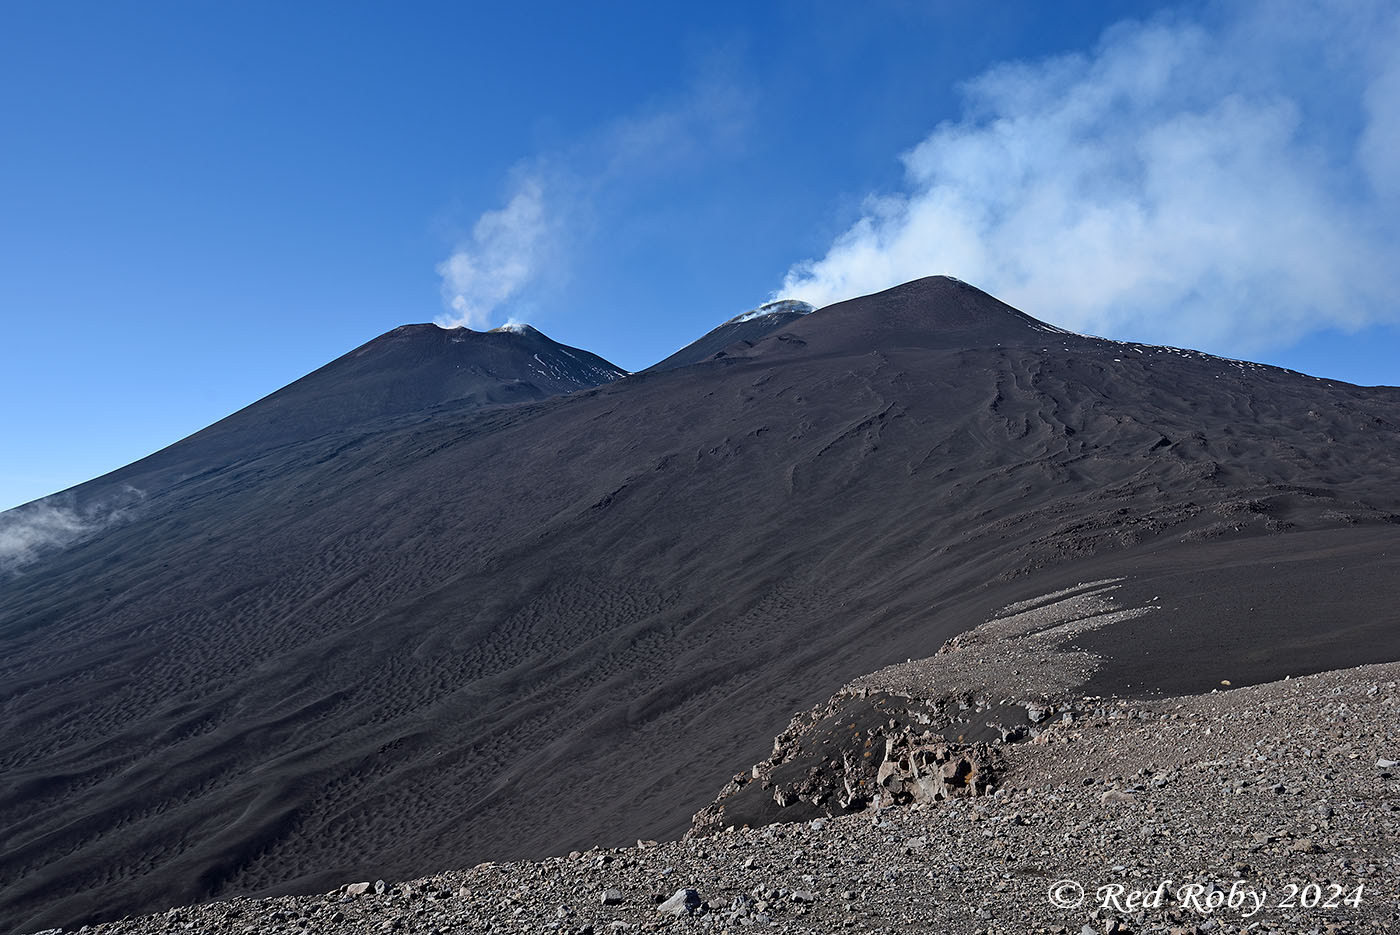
(1271, 808)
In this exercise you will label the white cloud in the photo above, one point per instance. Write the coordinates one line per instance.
(1379, 147)
(27, 532)
(1229, 185)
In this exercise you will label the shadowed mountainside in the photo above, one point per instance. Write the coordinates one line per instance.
(481, 632)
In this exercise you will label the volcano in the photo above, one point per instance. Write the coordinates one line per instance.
(476, 596)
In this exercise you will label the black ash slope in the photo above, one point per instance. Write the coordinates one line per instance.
(510, 630)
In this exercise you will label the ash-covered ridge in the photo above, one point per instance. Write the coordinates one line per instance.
(778, 307)
(463, 363)
(933, 313)
(740, 333)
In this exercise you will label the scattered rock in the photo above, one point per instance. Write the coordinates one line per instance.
(682, 903)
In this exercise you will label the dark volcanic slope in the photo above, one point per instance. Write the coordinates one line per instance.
(511, 630)
(744, 330)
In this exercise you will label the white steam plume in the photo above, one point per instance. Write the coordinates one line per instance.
(1232, 185)
(559, 198)
(503, 253)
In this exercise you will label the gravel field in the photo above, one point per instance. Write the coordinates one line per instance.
(1273, 808)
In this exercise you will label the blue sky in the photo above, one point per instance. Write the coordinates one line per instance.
(201, 202)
